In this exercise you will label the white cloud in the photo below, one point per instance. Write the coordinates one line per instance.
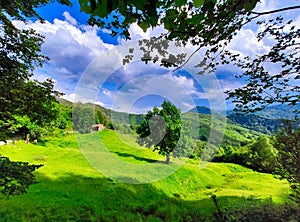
(70, 19)
(136, 33)
(268, 5)
(164, 86)
(107, 93)
(71, 48)
(246, 44)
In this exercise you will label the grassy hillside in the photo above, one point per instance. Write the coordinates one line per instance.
(234, 134)
(70, 189)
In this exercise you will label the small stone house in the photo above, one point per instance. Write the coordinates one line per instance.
(97, 127)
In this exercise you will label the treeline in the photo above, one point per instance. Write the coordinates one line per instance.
(85, 115)
(259, 123)
(51, 116)
(28, 108)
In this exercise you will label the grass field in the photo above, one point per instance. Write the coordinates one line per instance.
(69, 188)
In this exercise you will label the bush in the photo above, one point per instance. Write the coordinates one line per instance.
(269, 212)
(259, 155)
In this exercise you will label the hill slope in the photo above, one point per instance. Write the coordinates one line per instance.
(234, 134)
(70, 189)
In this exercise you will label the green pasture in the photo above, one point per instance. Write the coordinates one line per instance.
(70, 188)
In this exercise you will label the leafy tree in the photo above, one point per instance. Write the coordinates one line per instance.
(288, 146)
(132, 121)
(20, 53)
(162, 129)
(24, 104)
(99, 117)
(31, 99)
(262, 155)
(266, 87)
(199, 150)
(185, 143)
(64, 119)
(15, 177)
(83, 118)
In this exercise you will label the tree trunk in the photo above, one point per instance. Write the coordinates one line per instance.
(168, 159)
(27, 139)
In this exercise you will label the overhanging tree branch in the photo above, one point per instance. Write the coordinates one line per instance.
(277, 10)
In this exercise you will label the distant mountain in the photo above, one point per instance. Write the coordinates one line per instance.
(64, 102)
(266, 121)
(275, 112)
(256, 122)
(280, 111)
(200, 109)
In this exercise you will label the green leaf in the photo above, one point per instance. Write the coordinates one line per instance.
(198, 3)
(144, 25)
(179, 3)
(129, 20)
(101, 9)
(197, 19)
(248, 6)
(84, 6)
(139, 4)
(122, 7)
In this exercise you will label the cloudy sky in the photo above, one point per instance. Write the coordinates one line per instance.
(86, 63)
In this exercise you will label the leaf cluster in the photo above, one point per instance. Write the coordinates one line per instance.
(161, 129)
(210, 25)
(266, 87)
(15, 177)
(288, 146)
(20, 53)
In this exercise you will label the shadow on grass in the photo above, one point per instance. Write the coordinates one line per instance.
(58, 142)
(80, 198)
(148, 160)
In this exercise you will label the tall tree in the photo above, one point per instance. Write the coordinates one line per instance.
(262, 155)
(20, 53)
(83, 117)
(34, 100)
(22, 101)
(162, 129)
(288, 146)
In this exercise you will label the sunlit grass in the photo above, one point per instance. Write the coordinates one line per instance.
(71, 189)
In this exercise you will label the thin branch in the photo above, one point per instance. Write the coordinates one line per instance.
(277, 10)
(189, 58)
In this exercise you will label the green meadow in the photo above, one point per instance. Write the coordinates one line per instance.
(71, 188)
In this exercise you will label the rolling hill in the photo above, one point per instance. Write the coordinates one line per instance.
(69, 188)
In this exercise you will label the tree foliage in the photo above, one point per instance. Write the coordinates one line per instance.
(20, 53)
(183, 19)
(25, 105)
(262, 155)
(33, 99)
(264, 86)
(288, 146)
(211, 25)
(83, 118)
(15, 177)
(162, 129)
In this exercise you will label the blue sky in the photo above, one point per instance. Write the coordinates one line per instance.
(81, 56)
